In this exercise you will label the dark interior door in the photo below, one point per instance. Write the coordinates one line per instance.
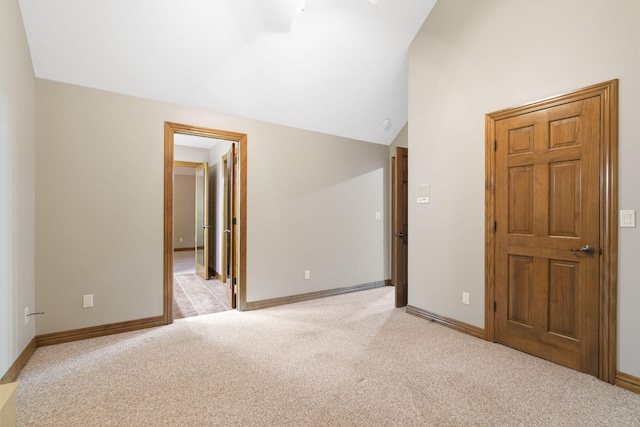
(399, 220)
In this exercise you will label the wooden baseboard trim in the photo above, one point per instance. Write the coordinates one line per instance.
(13, 371)
(628, 382)
(75, 335)
(255, 305)
(99, 331)
(448, 322)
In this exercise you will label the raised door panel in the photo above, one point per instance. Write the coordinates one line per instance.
(521, 140)
(565, 199)
(520, 291)
(564, 299)
(521, 202)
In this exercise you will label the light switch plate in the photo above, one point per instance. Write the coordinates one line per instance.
(423, 193)
(628, 218)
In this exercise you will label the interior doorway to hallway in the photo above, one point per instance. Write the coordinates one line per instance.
(197, 289)
(237, 233)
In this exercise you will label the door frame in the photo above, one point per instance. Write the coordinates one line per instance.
(223, 253)
(230, 206)
(608, 165)
(203, 271)
(240, 241)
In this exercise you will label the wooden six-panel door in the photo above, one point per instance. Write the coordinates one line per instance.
(547, 233)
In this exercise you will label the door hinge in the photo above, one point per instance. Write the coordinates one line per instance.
(234, 281)
(495, 145)
(495, 226)
(233, 221)
(494, 306)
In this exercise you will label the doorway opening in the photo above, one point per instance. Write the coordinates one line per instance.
(236, 236)
(197, 289)
(399, 224)
(185, 206)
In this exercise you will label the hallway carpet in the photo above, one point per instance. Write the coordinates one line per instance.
(194, 296)
(184, 262)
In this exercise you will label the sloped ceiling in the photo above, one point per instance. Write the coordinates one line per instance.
(332, 66)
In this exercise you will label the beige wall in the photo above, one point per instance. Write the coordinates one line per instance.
(401, 140)
(17, 175)
(190, 154)
(311, 204)
(475, 57)
(184, 214)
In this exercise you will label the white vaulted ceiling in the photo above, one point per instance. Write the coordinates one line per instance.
(332, 66)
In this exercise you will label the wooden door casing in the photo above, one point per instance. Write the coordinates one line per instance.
(225, 221)
(230, 231)
(551, 188)
(240, 241)
(202, 221)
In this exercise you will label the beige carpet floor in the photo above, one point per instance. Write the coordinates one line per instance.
(184, 262)
(349, 360)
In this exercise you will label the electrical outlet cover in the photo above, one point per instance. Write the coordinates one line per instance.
(87, 301)
(465, 298)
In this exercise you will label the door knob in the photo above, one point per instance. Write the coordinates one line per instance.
(227, 231)
(400, 235)
(206, 226)
(586, 249)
